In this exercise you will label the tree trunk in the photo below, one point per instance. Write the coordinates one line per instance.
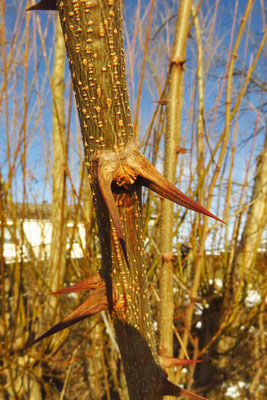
(95, 51)
(172, 140)
(58, 243)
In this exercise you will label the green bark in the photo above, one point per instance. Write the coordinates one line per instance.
(172, 140)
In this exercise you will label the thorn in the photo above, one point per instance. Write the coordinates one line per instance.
(161, 102)
(95, 303)
(88, 284)
(153, 179)
(44, 5)
(169, 389)
(104, 182)
(123, 168)
(182, 150)
(167, 362)
(179, 63)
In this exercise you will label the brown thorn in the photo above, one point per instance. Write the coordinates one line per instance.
(44, 5)
(104, 182)
(182, 150)
(88, 284)
(95, 303)
(179, 63)
(169, 389)
(167, 362)
(161, 102)
(156, 182)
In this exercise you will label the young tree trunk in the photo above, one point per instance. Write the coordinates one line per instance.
(58, 243)
(172, 140)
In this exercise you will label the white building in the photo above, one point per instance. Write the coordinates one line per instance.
(31, 235)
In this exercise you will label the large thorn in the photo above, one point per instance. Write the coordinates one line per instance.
(44, 5)
(95, 303)
(105, 179)
(88, 284)
(169, 389)
(153, 179)
(167, 362)
(127, 168)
